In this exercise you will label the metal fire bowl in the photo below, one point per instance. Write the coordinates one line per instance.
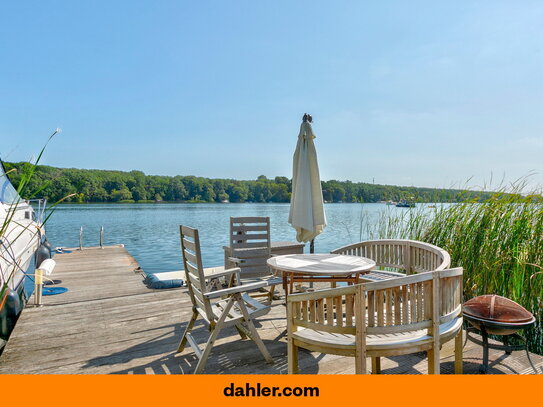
(496, 327)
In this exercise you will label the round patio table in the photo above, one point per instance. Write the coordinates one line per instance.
(319, 268)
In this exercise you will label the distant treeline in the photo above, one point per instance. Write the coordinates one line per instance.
(134, 186)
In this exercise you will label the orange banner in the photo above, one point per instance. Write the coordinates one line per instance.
(259, 390)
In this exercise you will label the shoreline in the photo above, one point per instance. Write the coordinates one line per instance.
(236, 203)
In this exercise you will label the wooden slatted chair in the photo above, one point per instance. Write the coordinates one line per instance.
(219, 309)
(386, 318)
(250, 249)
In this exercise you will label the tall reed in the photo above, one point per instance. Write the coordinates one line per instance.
(498, 242)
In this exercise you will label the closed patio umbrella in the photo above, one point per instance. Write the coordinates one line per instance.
(306, 205)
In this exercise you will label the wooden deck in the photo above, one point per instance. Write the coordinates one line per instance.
(110, 323)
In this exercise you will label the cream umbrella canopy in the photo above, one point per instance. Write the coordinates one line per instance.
(306, 205)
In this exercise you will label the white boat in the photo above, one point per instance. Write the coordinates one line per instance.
(21, 235)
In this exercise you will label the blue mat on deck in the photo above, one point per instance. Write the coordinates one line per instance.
(53, 290)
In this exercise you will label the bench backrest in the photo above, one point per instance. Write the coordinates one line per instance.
(420, 301)
(451, 294)
(250, 241)
(331, 310)
(409, 256)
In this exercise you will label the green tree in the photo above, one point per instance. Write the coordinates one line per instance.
(121, 195)
(238, 193)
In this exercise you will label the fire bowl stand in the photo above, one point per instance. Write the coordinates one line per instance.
(507, 347)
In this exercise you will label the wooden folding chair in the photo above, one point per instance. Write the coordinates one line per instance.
(220, 309)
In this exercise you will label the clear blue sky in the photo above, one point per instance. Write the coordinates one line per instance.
(417, 93)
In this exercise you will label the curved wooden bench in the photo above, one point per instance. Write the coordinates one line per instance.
(385, 318)
(398, 257)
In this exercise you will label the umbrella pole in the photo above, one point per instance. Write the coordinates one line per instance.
(311, 251)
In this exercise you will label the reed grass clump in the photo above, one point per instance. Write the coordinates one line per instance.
(498, 242)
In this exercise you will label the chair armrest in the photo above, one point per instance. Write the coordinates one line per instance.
(224, 273)
(235, 260)
(235, 290)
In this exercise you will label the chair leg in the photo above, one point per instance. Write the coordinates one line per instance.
(430, 355)
(187, 330)
(252, 330)
(376, 365)
(458, 369)
(241, 333)
(292, 357)
(271, 293)
(433, 361)
(360, 363)
(207, 350)
(215, 329)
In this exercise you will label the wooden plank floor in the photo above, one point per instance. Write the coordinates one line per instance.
(110, 323)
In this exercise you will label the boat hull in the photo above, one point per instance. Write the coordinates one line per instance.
(21, 239)
(21, 234)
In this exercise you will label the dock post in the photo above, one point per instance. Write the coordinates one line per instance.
(47, 266)
(101, 237)
(38, 281)
(81, 238)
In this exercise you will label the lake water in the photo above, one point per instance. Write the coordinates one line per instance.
(150, 232)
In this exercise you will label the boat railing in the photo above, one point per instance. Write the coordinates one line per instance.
(39, 209)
